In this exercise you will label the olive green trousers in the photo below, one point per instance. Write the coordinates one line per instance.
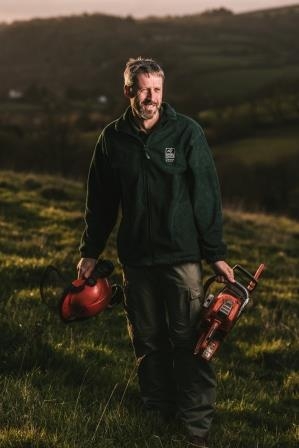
(163, 305)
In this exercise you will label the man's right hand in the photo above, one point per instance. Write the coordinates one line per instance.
(223, 271)
(85, 267)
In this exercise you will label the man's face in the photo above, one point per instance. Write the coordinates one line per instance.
(147, 95)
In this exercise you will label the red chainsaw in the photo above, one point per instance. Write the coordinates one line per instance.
(221, 311)
(82, 298)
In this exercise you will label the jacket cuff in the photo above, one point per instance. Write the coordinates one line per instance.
(88, 252)
(211, 256)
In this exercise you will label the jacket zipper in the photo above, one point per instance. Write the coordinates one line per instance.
(145, 160)
(148, 203)
(147, 154)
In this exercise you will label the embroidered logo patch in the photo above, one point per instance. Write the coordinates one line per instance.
(169, 155)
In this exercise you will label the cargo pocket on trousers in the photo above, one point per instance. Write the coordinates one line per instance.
(195, 302)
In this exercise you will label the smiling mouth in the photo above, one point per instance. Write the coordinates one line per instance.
(150, 105)
(148, 109)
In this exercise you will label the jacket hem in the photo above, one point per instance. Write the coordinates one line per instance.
(161, 260)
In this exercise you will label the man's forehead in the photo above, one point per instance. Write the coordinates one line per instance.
(144, 79)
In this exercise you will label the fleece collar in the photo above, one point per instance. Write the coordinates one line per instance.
(124, 122)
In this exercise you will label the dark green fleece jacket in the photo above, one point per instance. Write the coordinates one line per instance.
(167, 189)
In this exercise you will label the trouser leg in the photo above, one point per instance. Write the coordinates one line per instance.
(163, 305)
(148, 329)
(195, 379)
(196, 392)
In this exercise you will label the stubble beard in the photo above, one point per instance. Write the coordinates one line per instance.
(144, 112)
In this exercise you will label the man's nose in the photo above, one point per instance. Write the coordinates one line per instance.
(149, 93)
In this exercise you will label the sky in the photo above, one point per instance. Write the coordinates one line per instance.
(25, 9)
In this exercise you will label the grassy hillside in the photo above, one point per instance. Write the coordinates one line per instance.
(274, 145)
(260, 172)
(74, 386)
(222, 58)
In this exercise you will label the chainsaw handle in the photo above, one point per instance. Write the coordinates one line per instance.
(253, 279)
(102, 269)
(208, 283)
(236, 285)
(256, 276)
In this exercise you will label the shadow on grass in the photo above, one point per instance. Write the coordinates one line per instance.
(14, 211)
(26, 349)
(253, 428)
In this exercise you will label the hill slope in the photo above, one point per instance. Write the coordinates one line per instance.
(75, 385)
(85, 55)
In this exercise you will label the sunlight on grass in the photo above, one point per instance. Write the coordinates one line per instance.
(59, 213)
(75, 386)
(256, 149)
(264, 347)
(12, 436)
(291, 383)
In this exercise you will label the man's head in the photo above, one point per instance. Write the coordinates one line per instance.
(143, 85)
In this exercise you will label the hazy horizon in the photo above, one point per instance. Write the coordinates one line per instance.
(11, 10)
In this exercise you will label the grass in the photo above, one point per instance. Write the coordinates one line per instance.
(240, 80)
(74, 386)
(267, 147)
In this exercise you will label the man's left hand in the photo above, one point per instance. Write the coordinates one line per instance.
(223, 272)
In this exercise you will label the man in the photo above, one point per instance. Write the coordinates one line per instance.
(156, 165)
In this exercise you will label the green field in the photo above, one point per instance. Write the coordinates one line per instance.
(260, 171)
(74, 386)
(230, 82)
(267, 147)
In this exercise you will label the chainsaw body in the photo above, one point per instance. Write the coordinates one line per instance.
(221, 311)
(82, 298)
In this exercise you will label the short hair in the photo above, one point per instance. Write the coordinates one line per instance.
(140, 65)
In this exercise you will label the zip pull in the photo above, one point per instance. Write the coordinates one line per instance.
(147, 155)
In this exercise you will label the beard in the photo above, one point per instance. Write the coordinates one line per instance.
(146, 109)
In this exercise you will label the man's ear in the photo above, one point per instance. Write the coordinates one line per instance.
(128, 91)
